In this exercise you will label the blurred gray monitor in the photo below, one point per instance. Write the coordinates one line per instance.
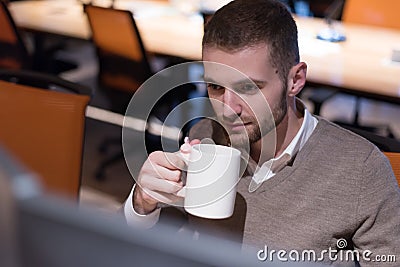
(55, 232)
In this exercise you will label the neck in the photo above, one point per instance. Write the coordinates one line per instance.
(284, 133)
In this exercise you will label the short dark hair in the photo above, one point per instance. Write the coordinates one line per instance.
(246, 23)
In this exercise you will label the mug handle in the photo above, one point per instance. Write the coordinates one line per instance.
(185, 157)
(182, 192)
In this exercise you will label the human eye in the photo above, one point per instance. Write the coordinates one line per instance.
(215, 87)
(246, 88)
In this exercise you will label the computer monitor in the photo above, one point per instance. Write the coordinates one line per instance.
(52, 231)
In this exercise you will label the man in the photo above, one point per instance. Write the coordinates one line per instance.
(324, 185)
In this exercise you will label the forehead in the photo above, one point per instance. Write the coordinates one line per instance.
(251, 62)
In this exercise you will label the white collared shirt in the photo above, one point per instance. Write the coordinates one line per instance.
(265, 172)
(262, 174)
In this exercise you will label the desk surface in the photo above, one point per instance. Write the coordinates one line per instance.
(360, 65)
(163, 29)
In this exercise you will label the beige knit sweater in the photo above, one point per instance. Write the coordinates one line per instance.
(339, 187)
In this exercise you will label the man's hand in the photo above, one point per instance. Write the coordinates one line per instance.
(160, 179)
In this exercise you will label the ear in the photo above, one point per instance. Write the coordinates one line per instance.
(297, 76)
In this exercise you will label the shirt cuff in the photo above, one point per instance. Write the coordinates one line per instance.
(138, 220)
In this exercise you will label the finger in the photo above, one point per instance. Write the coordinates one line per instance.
(167, 160)
(162, 185)
(163, 173)
(170, 199)
(195, 142)
(154, 197)
(154, 167)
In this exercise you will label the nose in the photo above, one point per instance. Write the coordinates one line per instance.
(232, 104)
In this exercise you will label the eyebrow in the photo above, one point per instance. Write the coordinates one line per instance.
(209, 80)
(255, 81)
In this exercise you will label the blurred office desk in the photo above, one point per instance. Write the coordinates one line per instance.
(163, 28)
(361, 65)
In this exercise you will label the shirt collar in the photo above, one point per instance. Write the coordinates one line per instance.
(305, 131)
(274, 165)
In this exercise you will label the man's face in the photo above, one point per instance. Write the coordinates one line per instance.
(249, 98)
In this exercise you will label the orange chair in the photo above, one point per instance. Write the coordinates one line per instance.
(15, 55)
(13, 52)
(366, 12)
(372, 12)
(394, 159)
(44, 129)
(123, 63)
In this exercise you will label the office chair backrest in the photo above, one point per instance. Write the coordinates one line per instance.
(43, 80)
(122, 58)
(13, 52)
(394, 159)
(44, 129)
(372, 12)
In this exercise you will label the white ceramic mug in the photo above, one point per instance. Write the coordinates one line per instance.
(212, 176)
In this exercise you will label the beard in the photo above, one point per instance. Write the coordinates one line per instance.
(258, 126)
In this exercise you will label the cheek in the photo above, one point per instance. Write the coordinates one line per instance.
(216, 103)
(274, 97)
(256, 105)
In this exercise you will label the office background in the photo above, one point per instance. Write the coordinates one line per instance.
(109, 192)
